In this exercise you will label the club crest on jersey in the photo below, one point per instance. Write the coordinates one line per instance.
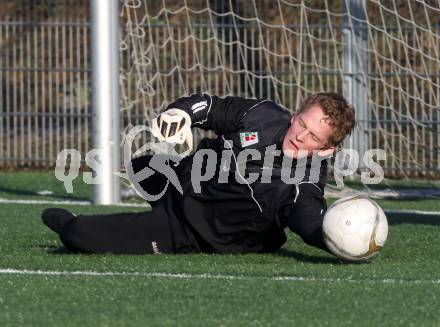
(248, 138)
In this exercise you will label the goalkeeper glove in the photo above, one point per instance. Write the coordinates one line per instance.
(173, 126)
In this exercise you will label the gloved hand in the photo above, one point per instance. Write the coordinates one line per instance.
(173, 126)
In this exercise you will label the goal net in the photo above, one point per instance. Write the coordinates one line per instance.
(382, 55)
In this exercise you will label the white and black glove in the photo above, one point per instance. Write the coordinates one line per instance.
(173, 126)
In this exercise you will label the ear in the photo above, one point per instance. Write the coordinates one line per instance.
(326, 152)
(293, 118)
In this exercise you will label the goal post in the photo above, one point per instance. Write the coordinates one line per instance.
(105, 98)
(355, 69)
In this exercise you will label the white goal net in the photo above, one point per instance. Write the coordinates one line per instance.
(382, 55)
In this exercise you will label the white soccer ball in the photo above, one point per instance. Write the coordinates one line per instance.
(355, 228)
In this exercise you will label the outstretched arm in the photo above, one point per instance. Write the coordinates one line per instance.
(222, 115)
(307, 214)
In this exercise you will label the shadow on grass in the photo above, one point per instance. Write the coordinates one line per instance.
(308, 258)
(21, 192)
(54, 249)
(413, 218)
(61, 250)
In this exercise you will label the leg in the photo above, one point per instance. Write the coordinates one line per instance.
(124, 233)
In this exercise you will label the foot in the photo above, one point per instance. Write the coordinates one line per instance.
(56, 218)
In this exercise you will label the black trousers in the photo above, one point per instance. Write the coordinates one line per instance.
(123, 233)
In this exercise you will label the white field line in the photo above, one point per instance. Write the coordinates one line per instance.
(417, 212)
(87, 203)
(8, 271)
(78, 203)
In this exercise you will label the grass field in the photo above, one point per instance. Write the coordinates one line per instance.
(42, 284)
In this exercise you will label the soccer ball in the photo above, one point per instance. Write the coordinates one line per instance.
(355, 228)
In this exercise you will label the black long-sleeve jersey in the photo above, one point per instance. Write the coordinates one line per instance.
(229, 213)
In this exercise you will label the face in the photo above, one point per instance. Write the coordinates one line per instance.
(309, 131)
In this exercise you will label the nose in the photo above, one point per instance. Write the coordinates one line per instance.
(301, 136)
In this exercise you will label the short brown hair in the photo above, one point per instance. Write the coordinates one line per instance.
(340, 114)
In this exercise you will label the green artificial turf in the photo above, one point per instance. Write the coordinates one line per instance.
(400, 286)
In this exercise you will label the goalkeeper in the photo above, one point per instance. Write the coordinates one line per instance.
(227, 213)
